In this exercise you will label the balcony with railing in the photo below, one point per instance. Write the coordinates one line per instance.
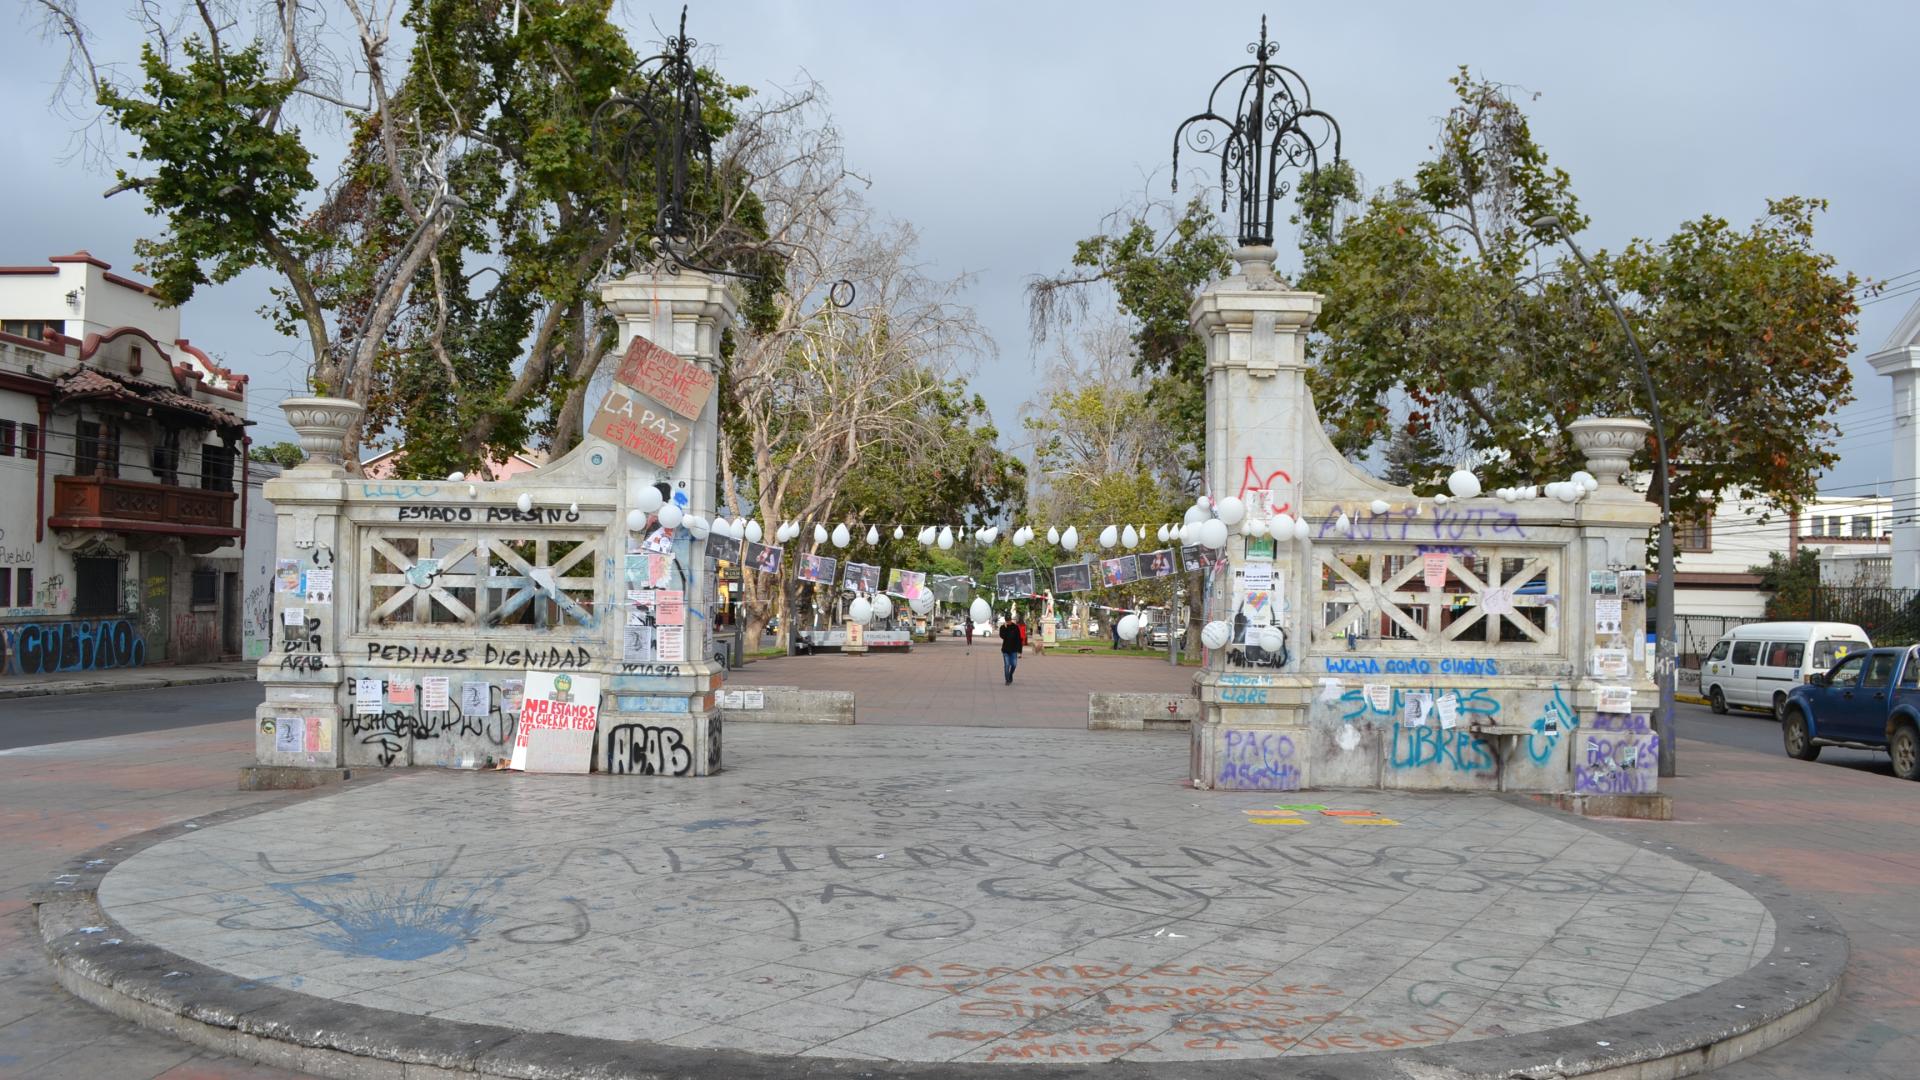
(206, 519)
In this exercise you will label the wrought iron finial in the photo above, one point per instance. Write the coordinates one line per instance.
(1272, 127)
(663, 125)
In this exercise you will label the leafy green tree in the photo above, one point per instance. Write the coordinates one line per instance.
(1447, 302)
(1790, 583)
(284, 454)
(1154, 272)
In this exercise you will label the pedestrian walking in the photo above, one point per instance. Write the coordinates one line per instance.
(1010, 647)
(969, 631)
(1113, 625)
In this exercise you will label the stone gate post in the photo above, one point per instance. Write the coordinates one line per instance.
(685, 313)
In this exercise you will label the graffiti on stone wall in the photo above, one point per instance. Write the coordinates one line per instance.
(53, 647)
(392, 731)
(1258, 760)
(646, 750)
(1621, 756)
(196, 636)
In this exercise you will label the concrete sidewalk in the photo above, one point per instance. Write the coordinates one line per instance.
(140, 678)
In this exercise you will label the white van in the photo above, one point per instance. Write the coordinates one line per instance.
(1758, 663)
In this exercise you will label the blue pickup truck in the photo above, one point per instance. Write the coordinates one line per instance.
(1868, 701)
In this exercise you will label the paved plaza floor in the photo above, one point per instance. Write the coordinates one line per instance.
(949, 682)
(953, 895)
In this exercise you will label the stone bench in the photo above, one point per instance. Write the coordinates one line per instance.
(785, 705)
(1134, 711)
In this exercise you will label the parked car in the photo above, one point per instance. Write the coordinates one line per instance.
(1757, 664)
(1157, 636)
(1869, 701)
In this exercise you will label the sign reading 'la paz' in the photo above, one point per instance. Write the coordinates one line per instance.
(680, 385)
(653, 433)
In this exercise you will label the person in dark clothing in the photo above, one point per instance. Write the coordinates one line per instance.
(1113, 625)
(1010, 647)
(969, 630)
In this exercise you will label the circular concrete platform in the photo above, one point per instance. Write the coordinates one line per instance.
(941, 897)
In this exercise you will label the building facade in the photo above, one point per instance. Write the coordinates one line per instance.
(123, 478)
(1714, 561)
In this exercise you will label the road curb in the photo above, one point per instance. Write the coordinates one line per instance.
(98, 961)
(62, 688)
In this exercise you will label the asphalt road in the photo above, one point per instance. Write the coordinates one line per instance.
(1759, 731)
(67, 717)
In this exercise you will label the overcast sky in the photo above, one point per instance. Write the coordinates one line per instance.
(1005, 131)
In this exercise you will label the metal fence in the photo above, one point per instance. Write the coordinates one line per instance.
(1889, 616)
(1694, 636)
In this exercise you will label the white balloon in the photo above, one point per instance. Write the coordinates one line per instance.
(882, 606)
(1129, 538)
(1252, 526)
(574, 509)
(1271, 640)
(1344, 523)
(472, 490)
(456, 477)
(698, 528)
(1053, 535)
(980, 611)
(898, 532)
(671, 515)
(1213, 533)
(1020, 537)
(1216, 634)
(860, 611)
(1230, 510)
(1203, 504)
(1507, 494)
(1587, 480)
(1440, 500)
(946, 541)
(1188, 534)
(1301, 529)
(921, 604)
(1281, 527)
(1194, 516)
(1161, 534)
(989, 535)
(1464, 484)
(754, 532)
(524, 502)
(1070, 539)
(636, 520)
(1380, 506)
(873, 534)
(649, 499)
(926, 536)
(1109, 536)
(841, 536)
(1129, 626)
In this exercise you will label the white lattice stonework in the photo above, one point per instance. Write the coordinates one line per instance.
(1503, 600)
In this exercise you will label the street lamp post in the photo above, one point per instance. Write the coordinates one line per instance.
(1663, 597)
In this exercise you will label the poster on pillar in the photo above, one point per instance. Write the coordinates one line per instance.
(678, 384)
(558, 715)
(640, 427)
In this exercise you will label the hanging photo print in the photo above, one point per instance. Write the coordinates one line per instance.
(1013, 585)
(1200, 557)
(723, 548)
(765, 557)
(862, 578)
(906, 584)
(950, 588)
(1072, 578)
(818, 569)
(1124, 570)
(1157, 564)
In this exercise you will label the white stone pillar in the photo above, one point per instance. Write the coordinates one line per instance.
(685, 313)
(1899, 360)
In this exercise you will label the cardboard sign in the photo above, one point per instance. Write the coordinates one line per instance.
(654, 434)
(666, 378)
(558, 717)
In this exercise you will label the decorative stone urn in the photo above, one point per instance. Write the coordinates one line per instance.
(1610, 443)
(322, 424)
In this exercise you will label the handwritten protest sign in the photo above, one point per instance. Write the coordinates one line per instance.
(558, 716)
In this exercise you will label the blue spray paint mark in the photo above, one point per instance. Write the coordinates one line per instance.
(401, 924)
